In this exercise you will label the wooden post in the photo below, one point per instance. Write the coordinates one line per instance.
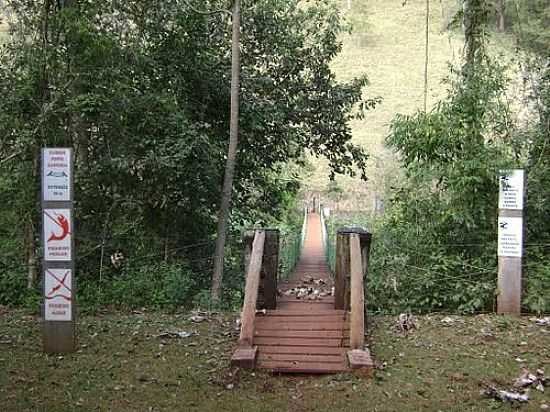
(342, 282)
(248, 239)
(342, 269)
(270, 268)
(245, 355)
(510, 241)
(357, 322)
(359, 245)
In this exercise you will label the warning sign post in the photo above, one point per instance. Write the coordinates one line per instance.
(58, 283)
(510, 240)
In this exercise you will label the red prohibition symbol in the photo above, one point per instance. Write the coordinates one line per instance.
(63, 224)
(60, 283)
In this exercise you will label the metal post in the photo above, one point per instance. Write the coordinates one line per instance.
(58, 277)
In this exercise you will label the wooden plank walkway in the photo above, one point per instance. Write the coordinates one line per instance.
(305, 334)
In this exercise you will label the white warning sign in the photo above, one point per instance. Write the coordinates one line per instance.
(510, 236)
(57, 234)
(58, 294)
(56, 179)
(511, 189)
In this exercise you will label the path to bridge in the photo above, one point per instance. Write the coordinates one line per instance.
(305, 334)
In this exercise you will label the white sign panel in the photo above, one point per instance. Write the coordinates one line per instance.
(57, 234)
(58, 294)
(511, 189)
(56, 179)
(510, 236)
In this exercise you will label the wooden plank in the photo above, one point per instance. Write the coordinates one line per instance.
(266, 357)
(245, 357)
(270, 268)
(342, 270)
(302, 326)
(302, 367)
(360, 359)
(307, 307)
(310, 322)
(301, 350)
(328, 342)
(306, 334)
(321, 312)
(251, 290)
(291, 320)
(320, 299)
(307, 322)
(357, 321)
(302, 320)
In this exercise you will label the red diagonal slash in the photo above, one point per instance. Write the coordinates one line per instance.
(63, 223)
(61, 283)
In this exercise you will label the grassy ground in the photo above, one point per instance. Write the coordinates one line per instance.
(122, 365)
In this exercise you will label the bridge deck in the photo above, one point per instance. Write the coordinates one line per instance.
(305, 334)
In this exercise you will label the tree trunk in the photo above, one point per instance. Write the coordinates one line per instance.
(223, 215)
(468, 27)
(473, 24)
(30, 249)
(427, 55)
(500, 9)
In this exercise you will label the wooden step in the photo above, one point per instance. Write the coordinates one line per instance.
(286, 312)
(303, 367)
(319, 327)
(292, 357)
(301, 350)
(306, 334)
(306, 306)
(294, 341)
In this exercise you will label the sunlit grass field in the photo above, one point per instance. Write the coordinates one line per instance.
(388, 44)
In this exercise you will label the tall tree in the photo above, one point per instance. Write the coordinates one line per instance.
(500, 9)
(141, 90)
(227, 189)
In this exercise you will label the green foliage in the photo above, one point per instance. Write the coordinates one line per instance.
(436, 247)
(422, 277)
(289, 252)
(537, 281)
(290, 239)
(14, 292)
(154, 285)
(141, 92)
(529, 20)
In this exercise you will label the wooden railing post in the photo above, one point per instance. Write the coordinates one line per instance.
(248, 239)
(352, 248)
(245, 355)
(270, 269)
(357, 298)
(342, 274)
(267, 292)
(342, 270)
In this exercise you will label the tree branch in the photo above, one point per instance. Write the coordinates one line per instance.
(7, 159)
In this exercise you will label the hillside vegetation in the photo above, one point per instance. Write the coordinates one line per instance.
(388, 44)
(437, 239)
